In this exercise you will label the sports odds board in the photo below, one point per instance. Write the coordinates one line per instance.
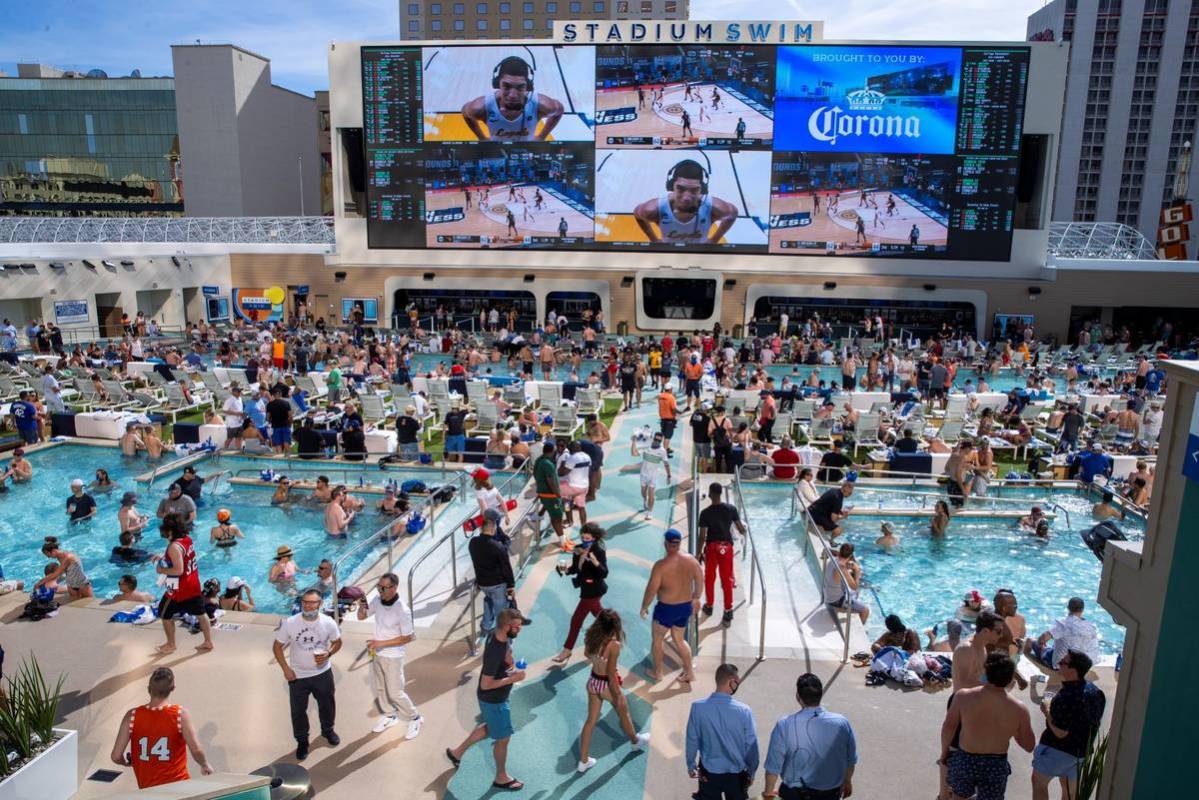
(836, 150)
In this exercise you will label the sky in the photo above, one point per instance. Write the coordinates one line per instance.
(120, 35)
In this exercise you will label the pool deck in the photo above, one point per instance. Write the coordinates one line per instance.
(239, 702)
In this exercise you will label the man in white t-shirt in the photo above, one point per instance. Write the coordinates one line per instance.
(312, 639)
(575, 468)
(654, 466)
(1071, 632)
(235, 416)
(393, 630)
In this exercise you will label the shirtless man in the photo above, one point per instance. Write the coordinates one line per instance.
(677, 581)
(985, 719)
(968, 664)
(1128, 427)
(1011, 640)
(1106, 509)
(20, 469)
(154, 444)
(323, 492)
(337, 517)
(131, 442)
(960, 469)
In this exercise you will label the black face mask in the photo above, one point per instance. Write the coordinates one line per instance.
(390, 602)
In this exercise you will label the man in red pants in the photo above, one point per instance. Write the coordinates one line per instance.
(716, 549)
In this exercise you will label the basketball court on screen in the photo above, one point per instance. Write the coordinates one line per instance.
(664, 119)
(625, 179)
(841, 224)
(488, 215)
(454, 76)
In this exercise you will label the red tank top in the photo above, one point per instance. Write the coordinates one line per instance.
(156, 745)
(189, 581)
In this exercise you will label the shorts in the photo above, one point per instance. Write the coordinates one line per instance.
(667, 427)
(409, 451)
(233, 433)
(578, 497)
(692, 388)
(170, 609)
(703, 449)
(1054, 763)
(498, 719)
(651, 479)
(553, 507)
(281, 436)
(455, 443)
(982, 776)
(672, 615)
(826, 523)
(1140, 382)
(29, 435)
(936, 392)
(851, 602)
(1042, 653)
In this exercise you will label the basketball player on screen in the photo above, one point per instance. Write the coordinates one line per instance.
(512, 112)
(686, 212)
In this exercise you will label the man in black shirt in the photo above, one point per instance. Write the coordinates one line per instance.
(309, 441)
(1072, 425)
(279, 414)
(1071, 718)
(908, 443)
(833, 463)
(595, 474)
(455, 433)
(496, 678)
(353, 442)
(80, 505)
(493, 570)
(408, 429)
(715, 546)
(699, 435)
(829, 509)
(191, 484)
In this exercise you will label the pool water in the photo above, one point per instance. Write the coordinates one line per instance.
(30, 512)
(923, 579)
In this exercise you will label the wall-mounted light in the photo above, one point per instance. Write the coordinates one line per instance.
(626, 281)
(175, 261)
(429, 276)
(339, 277)
(89, 265)
(1033, 293)
(830, 285)
(729, 283)
(930, 287)
(127, 264)
(111, 267)
(529, 278)
(58, 266)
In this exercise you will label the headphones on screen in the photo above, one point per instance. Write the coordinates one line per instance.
(670, 176)
(510, 60)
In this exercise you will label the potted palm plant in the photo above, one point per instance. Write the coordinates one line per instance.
(1090, 768)
(37, 760)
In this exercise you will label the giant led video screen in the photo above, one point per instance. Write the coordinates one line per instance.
(885, 151)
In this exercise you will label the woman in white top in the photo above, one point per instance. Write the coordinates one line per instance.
(487, 495)
(808, 492)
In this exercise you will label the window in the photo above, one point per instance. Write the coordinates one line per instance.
(459, 25)
(576, 8)
(413, 25)
(598, 6)
(481, 24)
(622, 6)
(481, 8)
(528, 8)
(505, 24)
(527, 24)
(647, 6)
(434, 8)
(672, 6)
(434, 24)
(414, 9)
(459, 8)
(505, 8)
(551, 8)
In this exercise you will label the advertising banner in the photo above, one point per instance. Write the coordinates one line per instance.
(259, 305)
(71, 312)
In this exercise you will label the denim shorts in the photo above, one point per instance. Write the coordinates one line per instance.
(1054, 763)
(455, 443)
(498, 719)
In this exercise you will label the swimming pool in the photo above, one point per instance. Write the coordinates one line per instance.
(30, 512)
(923, 579)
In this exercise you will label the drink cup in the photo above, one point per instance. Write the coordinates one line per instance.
(521, 663)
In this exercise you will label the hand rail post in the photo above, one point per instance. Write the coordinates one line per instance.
(473, 644)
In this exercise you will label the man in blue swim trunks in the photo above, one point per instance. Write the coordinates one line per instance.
(677, 581)
(990, 719)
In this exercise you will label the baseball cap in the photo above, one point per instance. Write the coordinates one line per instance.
(480, 474)
(76, 482)
(973, 596)
(235, 583)
(491, 515)
(672, 535)
(20, 451)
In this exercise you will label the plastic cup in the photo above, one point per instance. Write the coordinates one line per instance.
(521, 663)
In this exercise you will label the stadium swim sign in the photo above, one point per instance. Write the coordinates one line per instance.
(689, 32)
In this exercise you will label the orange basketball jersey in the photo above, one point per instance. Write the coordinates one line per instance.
(157, 748)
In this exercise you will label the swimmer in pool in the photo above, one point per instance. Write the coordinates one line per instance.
(1035, 515)
(282, 495)
(283, 572)
(940, 521)
(888, 540)
(102, 484)
(225, 534)
(1042, 529)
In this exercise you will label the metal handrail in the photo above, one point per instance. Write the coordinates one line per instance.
(1059, 507)
(161, 468)
(940, 496)
(797, 505)
(755, 564)
(692, 543)
(522, 562)
(452, 539)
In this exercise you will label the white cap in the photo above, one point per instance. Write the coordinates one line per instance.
(76, 482)
(235, 583)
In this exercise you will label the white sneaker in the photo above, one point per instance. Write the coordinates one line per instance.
(642, 741)
(649, 515)
(586, 765)
(414, 728)
(385, 723)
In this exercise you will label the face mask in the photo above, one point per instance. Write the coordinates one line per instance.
(310, 615)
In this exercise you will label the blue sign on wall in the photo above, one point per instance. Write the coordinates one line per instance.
(870, 99)
(210, 289)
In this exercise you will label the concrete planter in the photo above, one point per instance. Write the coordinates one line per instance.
(52, 775)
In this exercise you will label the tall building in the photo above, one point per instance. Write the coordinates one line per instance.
(249, 147)
(530, 19)
(74, 145)
(1132, 100)
(325, 145)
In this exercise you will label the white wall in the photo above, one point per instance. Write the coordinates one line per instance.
(1043, 115)
(150, 283)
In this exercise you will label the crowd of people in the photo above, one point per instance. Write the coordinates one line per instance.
(693, 378)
